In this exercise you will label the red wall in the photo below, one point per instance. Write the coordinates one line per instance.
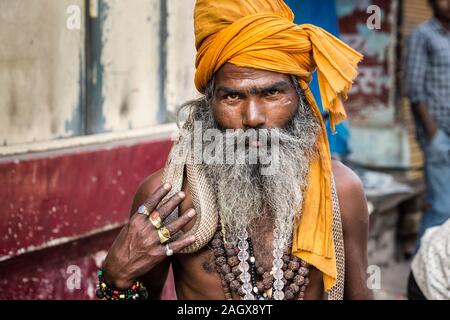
(52, 201)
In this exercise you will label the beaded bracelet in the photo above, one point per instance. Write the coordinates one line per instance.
(108, 292)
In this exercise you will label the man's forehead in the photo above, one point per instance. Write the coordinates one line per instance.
(233, 76)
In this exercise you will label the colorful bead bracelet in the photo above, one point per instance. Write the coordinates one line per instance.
(107, 292)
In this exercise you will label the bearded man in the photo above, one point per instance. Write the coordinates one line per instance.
(235, 229)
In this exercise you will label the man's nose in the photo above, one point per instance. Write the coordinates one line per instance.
(253, 115)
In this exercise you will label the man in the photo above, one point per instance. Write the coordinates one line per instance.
(430, 268)
(428, 88)
(253, 234)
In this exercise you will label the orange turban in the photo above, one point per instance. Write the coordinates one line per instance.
(261, 34)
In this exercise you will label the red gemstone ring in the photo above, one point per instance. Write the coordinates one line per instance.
(155, 219)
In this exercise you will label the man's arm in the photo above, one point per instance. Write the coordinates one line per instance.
(355, 225)
(416, 68)
(428, 123)
(155, 279)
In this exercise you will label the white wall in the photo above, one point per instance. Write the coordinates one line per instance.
(180, 53)
(141, 67)
(130, 59)
(40, 69)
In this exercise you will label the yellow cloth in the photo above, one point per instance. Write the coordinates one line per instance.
(261, 34)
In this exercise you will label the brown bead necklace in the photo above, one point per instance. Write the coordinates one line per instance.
(295, 272)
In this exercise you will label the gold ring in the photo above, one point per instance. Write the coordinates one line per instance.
(155, 219)
(164, 235)
(143, 210)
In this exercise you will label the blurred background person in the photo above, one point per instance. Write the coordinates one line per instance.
(428, 88)
(430, 275)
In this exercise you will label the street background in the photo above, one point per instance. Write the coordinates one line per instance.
(88, 91)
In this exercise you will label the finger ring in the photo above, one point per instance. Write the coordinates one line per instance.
(143, 210)
(155, 219)
(164, 235)
(169, 251)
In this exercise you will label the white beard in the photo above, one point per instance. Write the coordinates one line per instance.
(244, 194)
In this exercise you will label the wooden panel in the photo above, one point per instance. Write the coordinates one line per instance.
(416, 159)
(51, 198)
(414, 13)
(46, 275)
(41, 69)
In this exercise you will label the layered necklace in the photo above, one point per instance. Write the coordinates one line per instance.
(242, 274)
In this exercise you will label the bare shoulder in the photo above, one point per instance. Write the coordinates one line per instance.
(347, 181)
(352, 199)
(355, 226)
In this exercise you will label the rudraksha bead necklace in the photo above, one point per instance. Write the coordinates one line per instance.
(241, 274)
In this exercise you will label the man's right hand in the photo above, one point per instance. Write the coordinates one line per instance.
(137, 248)
(429, 124)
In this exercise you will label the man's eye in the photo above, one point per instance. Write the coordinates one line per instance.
(273, 92)
(232, 97)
